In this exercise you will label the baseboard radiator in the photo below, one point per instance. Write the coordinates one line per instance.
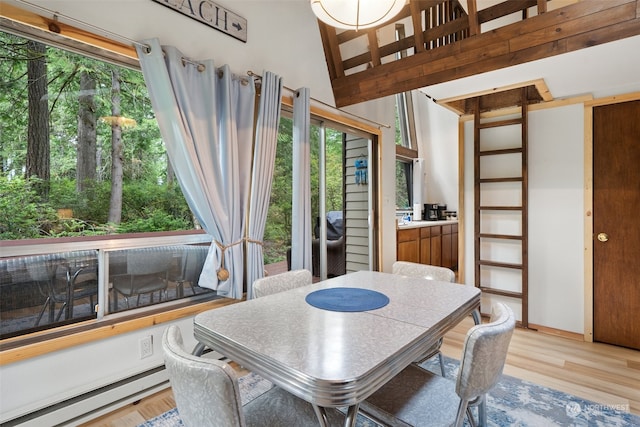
(91, 405)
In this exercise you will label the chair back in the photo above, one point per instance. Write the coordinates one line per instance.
(149, 261)
(206, 391)
(431, 272)
(193, 259)
(484, 353)
(281, 282)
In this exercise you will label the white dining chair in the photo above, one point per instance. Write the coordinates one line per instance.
(281, 282)
(418, 397)
(207, 393)
(430, 272)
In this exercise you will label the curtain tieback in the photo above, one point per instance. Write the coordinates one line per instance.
(257, 242)
(223, 273)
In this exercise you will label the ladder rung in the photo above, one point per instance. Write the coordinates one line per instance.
(500, 208)
(501, 151)
(511, 294)
(498, 123)
(499, 236)
(500, 264)
(506, 179)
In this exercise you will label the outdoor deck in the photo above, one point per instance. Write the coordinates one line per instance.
(281, 267)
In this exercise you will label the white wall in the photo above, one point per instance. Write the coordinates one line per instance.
(437, 134)
(556, 218)
(556, 226)
(282, 38)
(38, 382)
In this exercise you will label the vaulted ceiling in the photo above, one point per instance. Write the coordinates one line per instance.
(454, 40)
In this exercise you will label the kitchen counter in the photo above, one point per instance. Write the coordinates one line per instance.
(418, 224)
(428, 242)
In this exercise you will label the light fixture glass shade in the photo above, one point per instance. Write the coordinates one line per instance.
(356, 14)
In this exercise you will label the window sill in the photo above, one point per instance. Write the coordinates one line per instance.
(40, 343)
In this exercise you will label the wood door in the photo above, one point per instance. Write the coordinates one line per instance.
(616, 225)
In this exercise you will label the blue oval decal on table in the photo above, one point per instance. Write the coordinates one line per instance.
(347, 299)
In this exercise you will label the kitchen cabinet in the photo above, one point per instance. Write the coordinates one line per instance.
(425, 243)
(408, 245)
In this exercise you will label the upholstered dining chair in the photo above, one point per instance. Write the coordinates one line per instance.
(147, 271)
(419, 398)
(190, 265)
(431, 272)
(207, 393)
(281, 282)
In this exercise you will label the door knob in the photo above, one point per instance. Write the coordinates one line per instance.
(603, 237)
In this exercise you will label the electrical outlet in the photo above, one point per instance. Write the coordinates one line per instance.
(146, 346)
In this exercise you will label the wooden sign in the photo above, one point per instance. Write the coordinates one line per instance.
(211, 14)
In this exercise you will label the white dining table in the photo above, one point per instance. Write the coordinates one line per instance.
(331, 358)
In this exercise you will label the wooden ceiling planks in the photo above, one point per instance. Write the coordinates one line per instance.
(536, 91)
(450, 46)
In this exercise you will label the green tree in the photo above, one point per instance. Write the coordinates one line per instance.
(78, 96)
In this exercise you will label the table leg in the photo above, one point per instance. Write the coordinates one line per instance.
(352, 415)
(349, 421)
(321, 413)
(477, 318)
(198, 349)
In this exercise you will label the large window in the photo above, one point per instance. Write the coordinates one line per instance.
(406, 152)
(81, 156)
(81, 151)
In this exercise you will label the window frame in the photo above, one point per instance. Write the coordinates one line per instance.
(33, 26)
(407, 147)
(30, 25)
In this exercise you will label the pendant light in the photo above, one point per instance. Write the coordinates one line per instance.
(356, 14)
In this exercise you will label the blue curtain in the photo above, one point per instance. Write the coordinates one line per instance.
(264, 157)
(301, 203)
(206, 117)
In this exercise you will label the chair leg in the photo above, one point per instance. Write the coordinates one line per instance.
(462, 411)
(472, 420)
(482, 411)
(441, 359)
(44, 307)
(64, 305)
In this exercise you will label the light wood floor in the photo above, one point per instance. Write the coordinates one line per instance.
(602, 373)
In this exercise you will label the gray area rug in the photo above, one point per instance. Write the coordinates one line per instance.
(512, 402)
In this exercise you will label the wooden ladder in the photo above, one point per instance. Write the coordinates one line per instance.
(500, 248)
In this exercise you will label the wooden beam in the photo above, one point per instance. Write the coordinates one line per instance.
(542, 6)
(373, 47)
(331, 50)
(577, 26)
(472, 11)
(416, 18)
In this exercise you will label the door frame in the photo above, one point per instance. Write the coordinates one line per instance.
(588, 203)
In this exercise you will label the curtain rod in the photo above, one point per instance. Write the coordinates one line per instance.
(56, 15)
(108, 33)
(147, 48)
(258, 76)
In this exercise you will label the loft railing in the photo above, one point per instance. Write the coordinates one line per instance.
(445, 41)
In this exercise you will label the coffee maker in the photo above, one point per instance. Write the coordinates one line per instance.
(434, 212)
(430, 212)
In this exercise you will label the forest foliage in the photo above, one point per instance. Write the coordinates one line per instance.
(48, 192)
